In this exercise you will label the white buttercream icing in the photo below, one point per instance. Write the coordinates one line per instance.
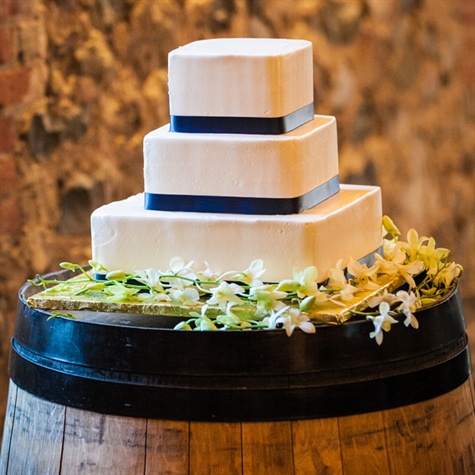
(127, 237)
(277, 166)
(240, 77)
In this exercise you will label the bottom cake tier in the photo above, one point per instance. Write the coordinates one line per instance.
(348, 225)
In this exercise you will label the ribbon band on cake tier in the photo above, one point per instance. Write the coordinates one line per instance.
(242, 125)
(241, 204)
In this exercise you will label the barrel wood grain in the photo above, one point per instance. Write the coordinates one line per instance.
(167, 447)
(472, 392)
(429, 438)
(99, 443)
(455, 413)
(408, 432)
(37, 435)
(8, 426)
(266, 448)
(425, 437)
(316, 444)
(363, 444)
(215, 448)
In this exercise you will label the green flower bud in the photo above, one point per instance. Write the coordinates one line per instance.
(207, 325)
(68, 265)
(116, 275)
(307, 303)
(227, 320)
(97, 267)
(184, 325)
(95, 286)
(288, 286)
(390, 227)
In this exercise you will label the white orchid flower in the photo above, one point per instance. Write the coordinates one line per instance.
(188, 296)
(224, 293)
(381, 322)
(408, 305)
(151, 278)
(252, 274)
(364, 276)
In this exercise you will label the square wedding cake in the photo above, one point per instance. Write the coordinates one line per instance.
(244, 171)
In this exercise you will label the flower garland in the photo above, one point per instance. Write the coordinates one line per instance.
(240, 300)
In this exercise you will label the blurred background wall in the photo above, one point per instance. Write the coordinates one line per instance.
(82, 81)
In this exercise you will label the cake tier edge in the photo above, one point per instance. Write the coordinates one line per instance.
(269, 77)
(283, 166)
(348, 225)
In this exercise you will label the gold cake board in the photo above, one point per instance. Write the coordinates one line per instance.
(329, 312)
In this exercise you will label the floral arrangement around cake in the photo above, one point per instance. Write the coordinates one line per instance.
(240, 300)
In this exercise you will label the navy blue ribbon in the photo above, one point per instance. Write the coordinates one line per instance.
(240, 204)
(242, 125)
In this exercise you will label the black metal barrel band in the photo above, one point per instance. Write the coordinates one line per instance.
(132, 395)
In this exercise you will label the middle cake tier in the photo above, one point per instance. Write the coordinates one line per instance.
(348, 225)
(192, 172)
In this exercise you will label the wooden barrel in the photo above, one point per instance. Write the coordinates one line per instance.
(118, 393)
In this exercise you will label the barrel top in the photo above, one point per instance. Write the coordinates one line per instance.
(101, 355)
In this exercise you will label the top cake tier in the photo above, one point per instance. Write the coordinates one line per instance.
(245, 77)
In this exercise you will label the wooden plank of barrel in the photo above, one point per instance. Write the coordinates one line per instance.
(431, 437)
(111, 393)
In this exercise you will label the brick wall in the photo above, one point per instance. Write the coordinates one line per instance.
(81, 82)
(18, 60)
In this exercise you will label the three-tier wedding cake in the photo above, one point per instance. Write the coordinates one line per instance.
(244, 171)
